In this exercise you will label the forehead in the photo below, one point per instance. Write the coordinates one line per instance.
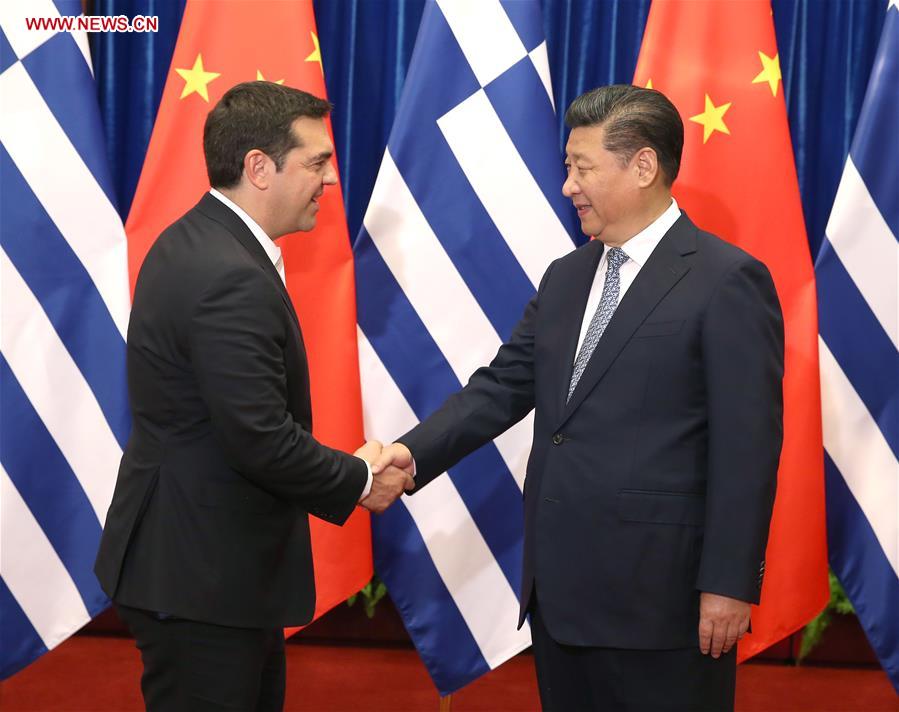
(585, 141)
(313, 136)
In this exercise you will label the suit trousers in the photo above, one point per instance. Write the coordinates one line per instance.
(200, 667)
(574, 678)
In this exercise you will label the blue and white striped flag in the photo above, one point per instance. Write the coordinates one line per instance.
(465, 216)
(858, 299)
(63, 276)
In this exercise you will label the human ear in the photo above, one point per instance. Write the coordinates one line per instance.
(646, 165)
(257, 168)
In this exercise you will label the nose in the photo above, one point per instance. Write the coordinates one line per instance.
(570, 187)
(330, 175)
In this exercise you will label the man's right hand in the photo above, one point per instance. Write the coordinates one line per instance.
(396, 455)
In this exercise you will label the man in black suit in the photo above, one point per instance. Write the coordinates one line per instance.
(206, 548)
(653, 356)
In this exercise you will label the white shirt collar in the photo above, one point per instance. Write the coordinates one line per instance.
(271, 249)
(641, 245)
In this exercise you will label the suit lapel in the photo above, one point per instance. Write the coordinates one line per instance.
(215, 209)
(664, 268)
(578, 283)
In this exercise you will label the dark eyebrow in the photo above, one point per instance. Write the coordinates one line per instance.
(323, 156)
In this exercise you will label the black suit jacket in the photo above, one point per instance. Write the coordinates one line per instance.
(209, 517)
(656, 480)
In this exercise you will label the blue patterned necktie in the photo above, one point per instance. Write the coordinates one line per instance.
(607, 305)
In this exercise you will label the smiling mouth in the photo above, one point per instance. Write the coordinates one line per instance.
(581, 209)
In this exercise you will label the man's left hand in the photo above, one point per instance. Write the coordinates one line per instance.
(722, 622)
(386, 488)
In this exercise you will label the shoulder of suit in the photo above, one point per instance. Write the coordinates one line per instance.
(587, 251)
(570, 260)
(721, 251)
(196, 254)
(197, 238)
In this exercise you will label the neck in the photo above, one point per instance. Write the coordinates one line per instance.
(252, 207)
(642, 218)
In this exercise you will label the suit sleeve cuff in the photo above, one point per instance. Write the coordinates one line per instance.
(368, 482)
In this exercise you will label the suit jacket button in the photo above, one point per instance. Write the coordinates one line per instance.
(557, 439)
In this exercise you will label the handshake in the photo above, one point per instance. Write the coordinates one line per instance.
(392, 469)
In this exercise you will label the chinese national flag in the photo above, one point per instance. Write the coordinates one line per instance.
(220, 45)
(718, 62)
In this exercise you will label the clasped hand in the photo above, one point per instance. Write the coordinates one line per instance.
(392, 471)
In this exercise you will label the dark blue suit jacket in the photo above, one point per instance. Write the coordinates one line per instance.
(656, 480)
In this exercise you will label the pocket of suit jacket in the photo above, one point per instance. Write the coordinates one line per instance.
(656, 507)
(237, 497)
(658, 328)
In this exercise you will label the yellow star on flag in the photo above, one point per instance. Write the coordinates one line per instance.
(649, 84)
(770, 72)
(260, 78)
(196, 79)
(316, 54)
(712, 119)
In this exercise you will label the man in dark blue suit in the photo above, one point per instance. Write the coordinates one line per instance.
(653, 356)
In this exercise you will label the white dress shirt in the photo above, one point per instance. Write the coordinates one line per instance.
(274, 254)
(638, 249)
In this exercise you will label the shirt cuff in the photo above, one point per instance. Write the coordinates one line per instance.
(368, 482)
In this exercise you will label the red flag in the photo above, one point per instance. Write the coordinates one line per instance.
(718, 62)
(220, 45)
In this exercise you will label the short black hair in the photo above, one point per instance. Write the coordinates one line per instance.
(254, 115)
(633, 117)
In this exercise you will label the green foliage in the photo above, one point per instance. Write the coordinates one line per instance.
(812, 633)
(371, 593)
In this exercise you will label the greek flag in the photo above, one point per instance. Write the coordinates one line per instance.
(63, 277)
(857, 271)
(465, 216)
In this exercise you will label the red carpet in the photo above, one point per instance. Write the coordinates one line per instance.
(101, 674)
